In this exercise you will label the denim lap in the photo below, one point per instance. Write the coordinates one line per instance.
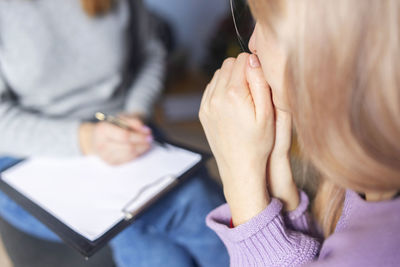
(17, 216)
(171, 233)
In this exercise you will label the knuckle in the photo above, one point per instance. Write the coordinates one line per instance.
(203, 114)
(203, 118)
(232, 87)
(125, 136)
(232, 97)
(206, 92)
(228, 62)
(233, 92)
(133, 137)
(204, 108)
(204, 105)
(200, 114)
(214, 103)
(243, 56)
(217, 72)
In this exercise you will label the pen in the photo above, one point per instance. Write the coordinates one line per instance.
(122, 124)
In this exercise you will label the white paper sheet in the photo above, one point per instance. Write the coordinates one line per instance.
(89, 195)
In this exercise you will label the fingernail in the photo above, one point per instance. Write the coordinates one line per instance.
(150, 139)
(254, 62)
(146, 129)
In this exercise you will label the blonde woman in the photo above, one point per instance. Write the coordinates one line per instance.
(60, 62)
(331, 67)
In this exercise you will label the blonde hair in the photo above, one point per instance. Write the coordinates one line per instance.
(96, 7)
(344, 91)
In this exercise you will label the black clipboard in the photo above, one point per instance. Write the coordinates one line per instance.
(84, 246)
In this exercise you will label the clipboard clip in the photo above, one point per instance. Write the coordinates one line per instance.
(128, 213)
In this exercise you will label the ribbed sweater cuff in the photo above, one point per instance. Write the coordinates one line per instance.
(218, 220)
(264, 240)
(298, 219)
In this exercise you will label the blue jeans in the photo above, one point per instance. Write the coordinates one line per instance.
(170, 233)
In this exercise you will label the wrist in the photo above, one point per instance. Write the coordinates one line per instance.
(281, 183)
(292, 199)
(247, 196)
(246, 205)
(86, 138)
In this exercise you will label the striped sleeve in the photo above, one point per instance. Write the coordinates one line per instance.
(25, 134)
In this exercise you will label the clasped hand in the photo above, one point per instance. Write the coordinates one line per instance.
(239, 120)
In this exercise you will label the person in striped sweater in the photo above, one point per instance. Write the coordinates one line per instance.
(60, 62)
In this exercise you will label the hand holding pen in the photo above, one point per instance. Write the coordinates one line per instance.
(113, 143)
(122, 121)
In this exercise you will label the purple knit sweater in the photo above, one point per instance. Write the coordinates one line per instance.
(367, 234)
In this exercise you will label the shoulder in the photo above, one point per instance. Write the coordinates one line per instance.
(371, 237)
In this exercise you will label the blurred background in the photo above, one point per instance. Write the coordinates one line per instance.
(199, 36)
